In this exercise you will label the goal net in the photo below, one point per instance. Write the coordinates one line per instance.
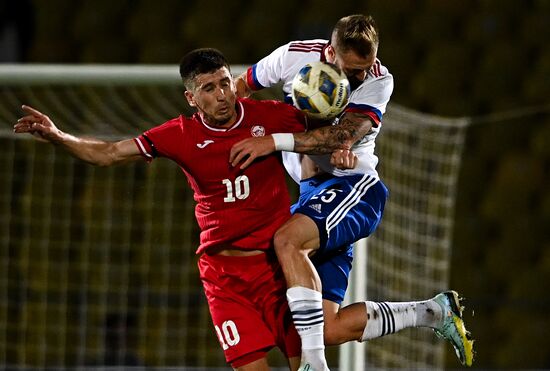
(409, 254)
(97, 265)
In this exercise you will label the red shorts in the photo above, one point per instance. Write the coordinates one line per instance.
(247, 301)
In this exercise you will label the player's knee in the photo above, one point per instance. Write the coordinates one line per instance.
(284, 244)
(291, 246)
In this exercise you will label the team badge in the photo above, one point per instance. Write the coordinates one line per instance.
(257, 131)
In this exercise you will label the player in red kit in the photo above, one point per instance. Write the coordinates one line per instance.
(241, 208)
(238, 211)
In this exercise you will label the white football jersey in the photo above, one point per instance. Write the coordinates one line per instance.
(370, 98)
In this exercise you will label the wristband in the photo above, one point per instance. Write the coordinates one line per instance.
(283, 141)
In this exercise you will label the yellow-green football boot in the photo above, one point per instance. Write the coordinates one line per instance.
(452, 326)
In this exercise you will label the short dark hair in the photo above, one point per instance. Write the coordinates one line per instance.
(357, 33)
(198, 61)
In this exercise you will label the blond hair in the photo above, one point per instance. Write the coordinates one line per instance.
(357, 33)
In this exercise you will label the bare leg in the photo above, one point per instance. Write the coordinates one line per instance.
(262, 365)
(344, 324)
(294, 363)
(294, 242)
(350, 322)
(258, 365)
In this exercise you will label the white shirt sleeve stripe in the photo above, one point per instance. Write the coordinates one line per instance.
(142, 149)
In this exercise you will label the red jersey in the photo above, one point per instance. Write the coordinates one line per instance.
(238, 208)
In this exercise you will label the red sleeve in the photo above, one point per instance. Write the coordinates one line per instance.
(160, 141)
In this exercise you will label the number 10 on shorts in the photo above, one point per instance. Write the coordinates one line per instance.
(228, 334)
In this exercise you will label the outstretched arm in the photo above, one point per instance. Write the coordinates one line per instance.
(327, 139)
(93, 151)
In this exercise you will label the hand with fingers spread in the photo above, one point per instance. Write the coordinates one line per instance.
(37, 124)
(343, 159)
(249, 149)
(92, 150)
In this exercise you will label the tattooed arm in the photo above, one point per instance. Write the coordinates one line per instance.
(351, 128)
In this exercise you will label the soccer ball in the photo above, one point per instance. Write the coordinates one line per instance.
(321, 90)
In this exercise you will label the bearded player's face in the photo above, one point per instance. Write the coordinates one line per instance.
(214, 96)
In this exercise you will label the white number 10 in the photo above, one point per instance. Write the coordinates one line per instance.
(228, 334)
(240, 191)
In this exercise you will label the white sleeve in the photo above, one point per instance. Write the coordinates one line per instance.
(269, 70)
(283, 63)
(375, 93)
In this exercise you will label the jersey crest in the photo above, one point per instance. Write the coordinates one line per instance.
(257, 131)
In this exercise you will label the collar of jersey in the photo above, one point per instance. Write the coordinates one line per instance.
(240, 116)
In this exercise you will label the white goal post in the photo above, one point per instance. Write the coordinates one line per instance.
(97, 266)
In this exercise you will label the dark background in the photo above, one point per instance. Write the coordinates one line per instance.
(485, 59)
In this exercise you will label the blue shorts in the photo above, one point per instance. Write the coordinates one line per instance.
(334, 270)
(345, 209)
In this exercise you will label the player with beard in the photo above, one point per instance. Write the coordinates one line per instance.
(338, 207)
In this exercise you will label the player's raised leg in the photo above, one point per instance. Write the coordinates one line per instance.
(294, 241)
(370, 320)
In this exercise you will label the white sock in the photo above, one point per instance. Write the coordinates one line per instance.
(428, 314)
(386, 318)
(306, 307)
